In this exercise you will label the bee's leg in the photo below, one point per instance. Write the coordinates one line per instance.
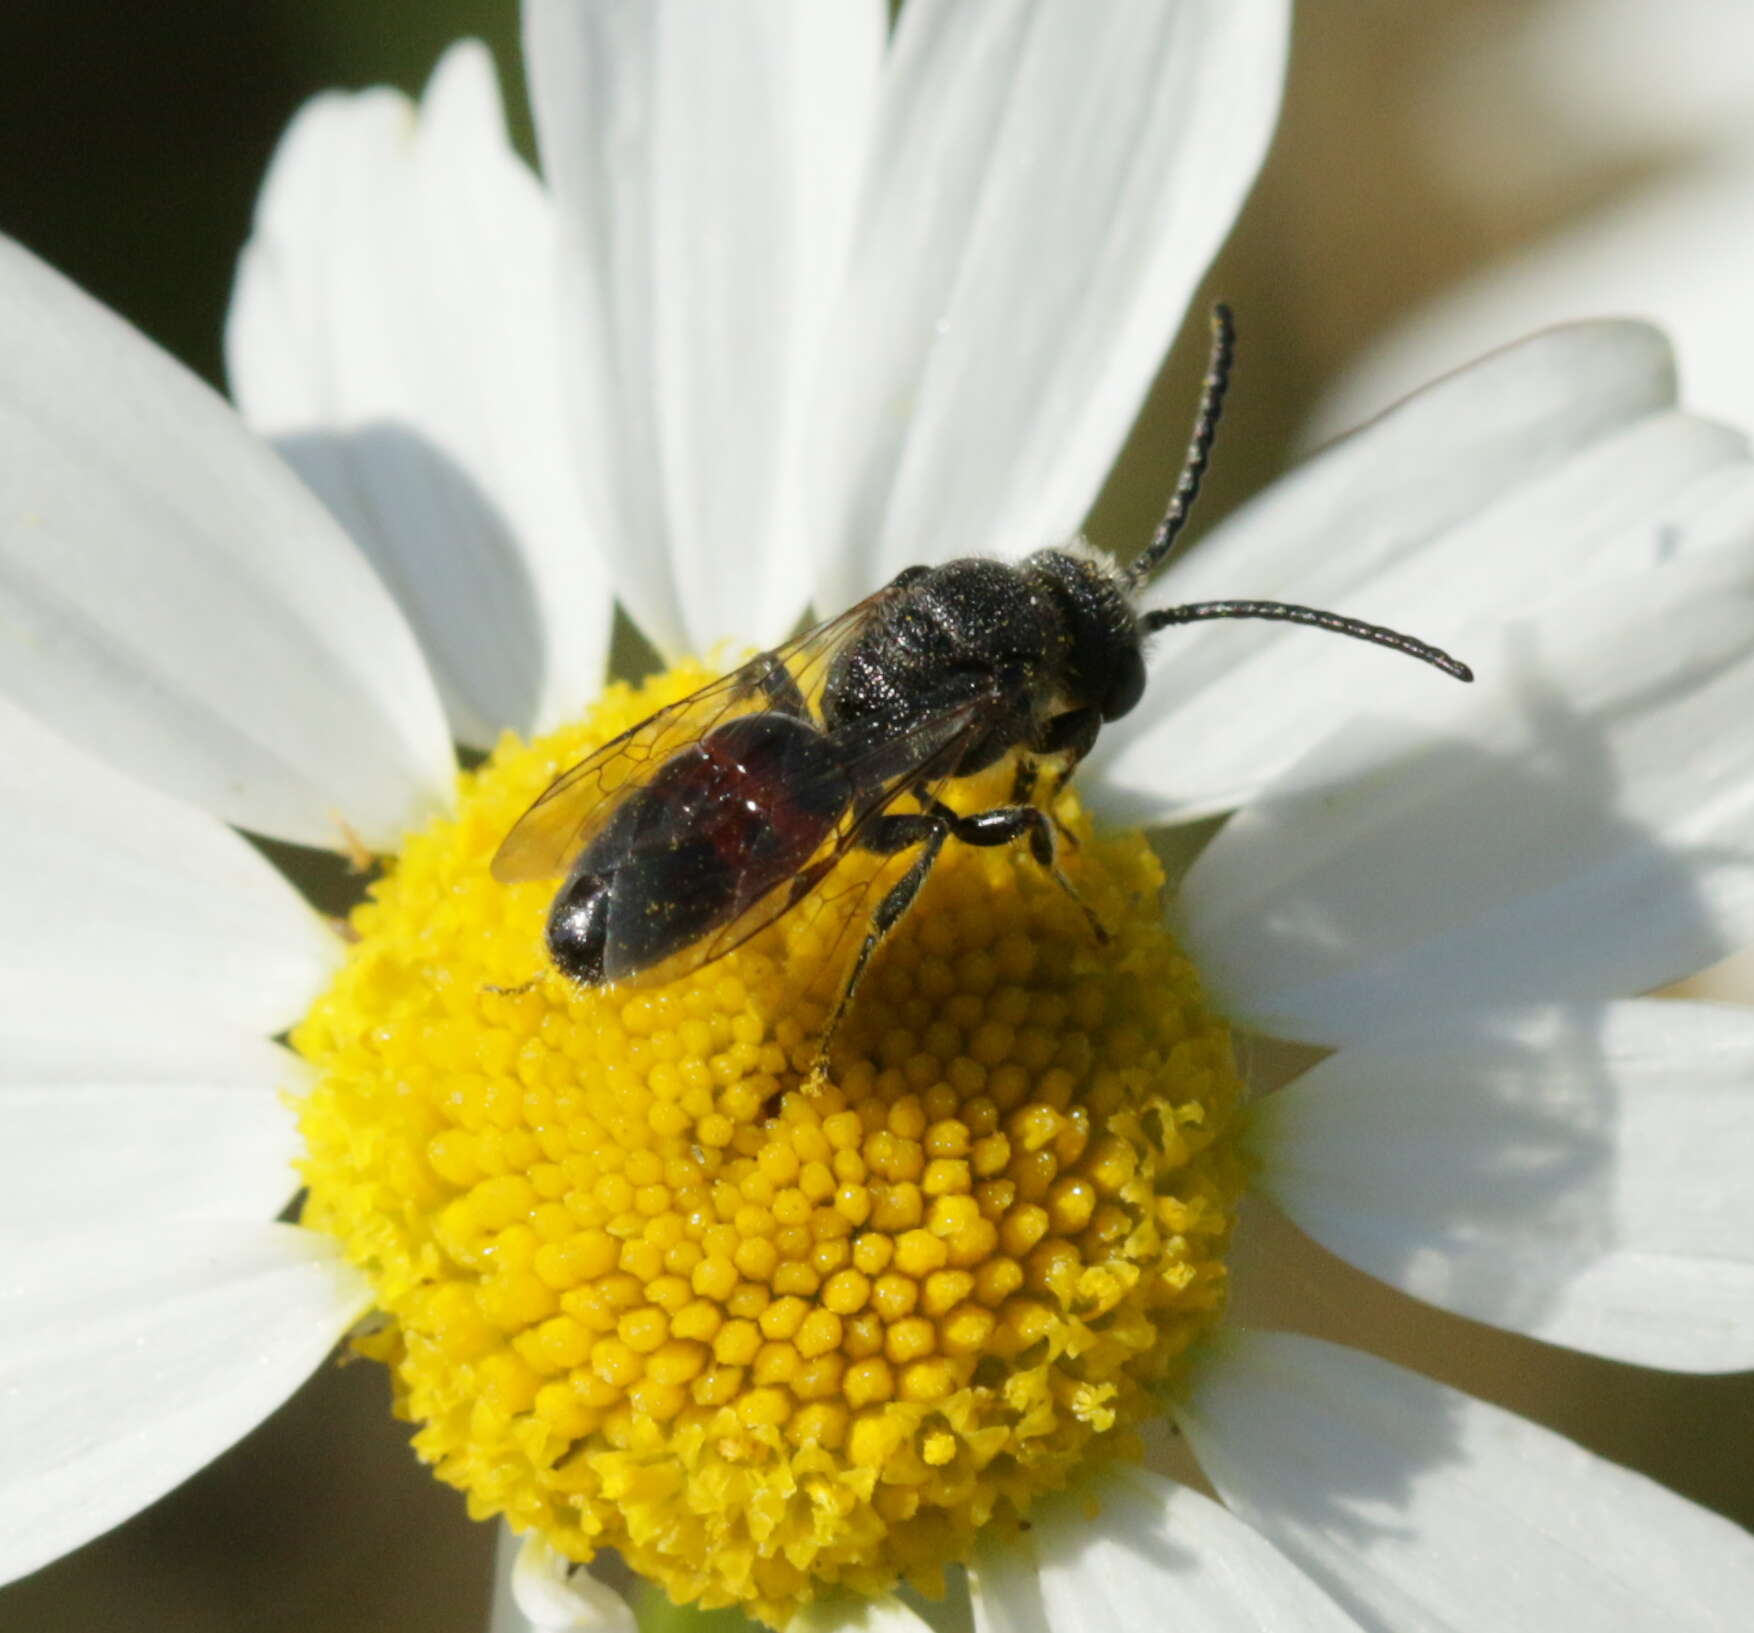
(1005, 824)
(779, 686)
(887, 836)
(1069, 736)
(521, 988)
(1023, 783)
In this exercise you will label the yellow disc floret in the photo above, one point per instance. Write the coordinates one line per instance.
(647, 1286)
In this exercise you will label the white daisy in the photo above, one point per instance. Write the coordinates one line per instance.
(1458, 894)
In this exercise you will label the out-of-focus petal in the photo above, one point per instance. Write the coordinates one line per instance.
(1560, 97)
(537, 1590)
(858, 1616)
(1679, 250)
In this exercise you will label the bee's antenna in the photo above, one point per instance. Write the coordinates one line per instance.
(1187, 487)
(1285, 612)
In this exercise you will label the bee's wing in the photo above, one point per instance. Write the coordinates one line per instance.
(937, 742)
(574, 808)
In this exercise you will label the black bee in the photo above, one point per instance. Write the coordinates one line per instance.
(710, 819)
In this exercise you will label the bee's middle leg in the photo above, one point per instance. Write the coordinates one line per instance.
(1003, 825)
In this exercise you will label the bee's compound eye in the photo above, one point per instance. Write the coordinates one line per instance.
(1126, 684)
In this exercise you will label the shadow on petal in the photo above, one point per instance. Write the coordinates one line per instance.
(451, 558)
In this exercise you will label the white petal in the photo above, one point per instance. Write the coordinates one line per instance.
(393, 329)
(1049, 182)
(1562, 98)
(704, 161)
(1577, 1174)
(1582, 829)
(1677, 250)
(1509, 486)
(1155, 1555)
(130, 1359)
(123, 1150)
(1421, 1510)
(1633, 78)
(128, 907)
(542, 1592)
(173, 598)
(503, 1614)
(857, 1616)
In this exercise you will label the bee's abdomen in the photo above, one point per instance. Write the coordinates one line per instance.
(722, 824)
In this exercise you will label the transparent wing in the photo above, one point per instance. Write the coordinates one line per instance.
(932, 749)
(574, 808)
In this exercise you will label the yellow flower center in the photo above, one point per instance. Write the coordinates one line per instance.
(643, 1287)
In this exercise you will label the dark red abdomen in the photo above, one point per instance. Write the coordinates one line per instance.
(723, 824)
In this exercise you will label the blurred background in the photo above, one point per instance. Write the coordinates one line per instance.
(1447, 176)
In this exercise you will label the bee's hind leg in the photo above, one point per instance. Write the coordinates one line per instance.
(779, 686)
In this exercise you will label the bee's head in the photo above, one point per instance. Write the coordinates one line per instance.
(1102, 660)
